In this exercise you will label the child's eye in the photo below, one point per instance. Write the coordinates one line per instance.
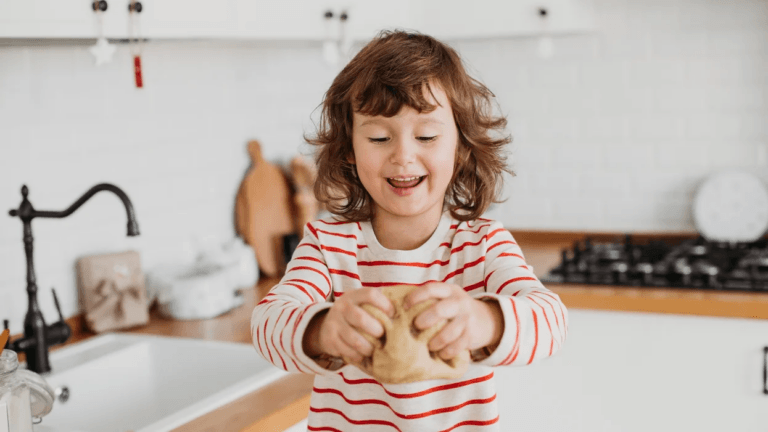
(426, 139)
(378, 140)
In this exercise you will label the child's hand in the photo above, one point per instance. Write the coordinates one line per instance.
(472, 323)
(339, 333)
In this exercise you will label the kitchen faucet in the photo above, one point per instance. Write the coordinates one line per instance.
(38, 336)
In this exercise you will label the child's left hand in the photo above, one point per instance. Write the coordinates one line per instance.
(472, 323)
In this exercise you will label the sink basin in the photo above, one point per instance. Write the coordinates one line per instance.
(126, 382)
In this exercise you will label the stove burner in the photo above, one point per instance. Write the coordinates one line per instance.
(694, 263)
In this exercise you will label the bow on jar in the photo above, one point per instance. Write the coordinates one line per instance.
(113, 296)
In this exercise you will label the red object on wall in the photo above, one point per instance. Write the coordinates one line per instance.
(137, 71)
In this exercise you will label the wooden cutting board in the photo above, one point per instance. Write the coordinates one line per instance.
(263, 211)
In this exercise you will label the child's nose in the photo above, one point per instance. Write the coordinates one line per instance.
(404, 151)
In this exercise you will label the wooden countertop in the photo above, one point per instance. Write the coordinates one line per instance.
(286, 401)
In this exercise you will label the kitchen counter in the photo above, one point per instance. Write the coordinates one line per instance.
(286, 401)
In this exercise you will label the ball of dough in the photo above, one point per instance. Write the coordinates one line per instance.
(401, 355)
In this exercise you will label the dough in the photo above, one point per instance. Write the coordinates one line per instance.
(401, 355)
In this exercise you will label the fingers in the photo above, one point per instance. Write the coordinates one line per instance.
(358, 318)
(442, 310)
(355, 345)
(436, 290)
(454, 330)
(454, 348)
(374, 298)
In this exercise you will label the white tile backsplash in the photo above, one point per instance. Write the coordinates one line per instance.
(613, 133)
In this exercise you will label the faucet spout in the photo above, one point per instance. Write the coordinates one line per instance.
(38, 336)
(133, 226)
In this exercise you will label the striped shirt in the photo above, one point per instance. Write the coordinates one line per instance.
(334, 257)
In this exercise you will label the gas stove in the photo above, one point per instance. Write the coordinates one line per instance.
(694, 263)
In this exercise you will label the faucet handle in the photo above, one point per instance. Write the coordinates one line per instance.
(60, 331)
(56, 302)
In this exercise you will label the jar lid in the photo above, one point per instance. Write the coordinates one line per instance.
(41, 395)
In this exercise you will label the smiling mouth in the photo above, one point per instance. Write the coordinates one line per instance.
(406, 183)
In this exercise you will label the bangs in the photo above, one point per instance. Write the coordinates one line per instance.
(376, 98)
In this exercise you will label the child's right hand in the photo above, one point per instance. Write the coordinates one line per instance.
(339, 332)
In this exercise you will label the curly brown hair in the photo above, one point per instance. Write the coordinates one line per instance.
(392, 70)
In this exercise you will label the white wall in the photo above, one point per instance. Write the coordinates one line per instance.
(613, 133)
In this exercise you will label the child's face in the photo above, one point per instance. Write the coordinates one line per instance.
(406, 162)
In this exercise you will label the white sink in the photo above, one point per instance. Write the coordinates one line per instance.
(120, 382)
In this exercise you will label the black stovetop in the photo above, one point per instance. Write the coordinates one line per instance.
(695, 263)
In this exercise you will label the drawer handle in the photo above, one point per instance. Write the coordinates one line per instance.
(765, 370)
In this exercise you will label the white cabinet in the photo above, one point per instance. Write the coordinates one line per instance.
(61, 19)
(635, 372)
(455, 19)
(306, 19)
(189, 19)
(302, 20)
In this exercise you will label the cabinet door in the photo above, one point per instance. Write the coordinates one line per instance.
(188, 19)
(637, 372)
(367, 18)
(306, 19)
(455, 19)
(61, 19)
(283, 20)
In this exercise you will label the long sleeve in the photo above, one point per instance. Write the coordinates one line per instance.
(280, 319)
(535, 320)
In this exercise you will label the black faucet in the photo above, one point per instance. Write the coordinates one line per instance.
(38, 336)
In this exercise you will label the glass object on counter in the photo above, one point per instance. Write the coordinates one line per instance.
(24, 395)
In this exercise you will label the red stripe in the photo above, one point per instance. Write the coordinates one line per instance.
(327, 280)
(465, 244)
(272, 338)
(309, 258)
(552, 336)
(559, 305)
(287, 320)
(405, 264)
(480, 284)
(466, 266)
(317, 288)
(324, 428)
(472, 423)
(303, 290)
(355, 422)
(265, 341)
(420, 393)
(488, 277)
(338, 234)
(517, 279)
(516, 345)
(404, 416)
(334, 222)
(361, 247)
(504, 254)
(536, 332)
(314, 246)
(384, 284)
(500, 243)
(554, 312)
(339, 250)
(293, 337)
(313, 230)
(473, 232)
(344, 273)
(494, 232)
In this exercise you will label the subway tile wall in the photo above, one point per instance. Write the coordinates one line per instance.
(613, 133)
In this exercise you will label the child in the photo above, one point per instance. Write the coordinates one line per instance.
(407, 163)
